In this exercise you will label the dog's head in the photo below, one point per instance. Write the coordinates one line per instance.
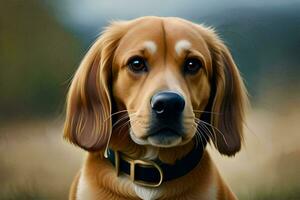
(159, 80)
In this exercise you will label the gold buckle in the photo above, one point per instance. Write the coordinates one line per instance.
(133, 163)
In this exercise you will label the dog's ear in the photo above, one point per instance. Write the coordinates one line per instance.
(88, 110)
(229, 99)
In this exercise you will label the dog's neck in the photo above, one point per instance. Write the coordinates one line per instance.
(184, 187)
(166, 155)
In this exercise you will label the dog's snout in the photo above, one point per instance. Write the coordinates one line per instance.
(167, 103)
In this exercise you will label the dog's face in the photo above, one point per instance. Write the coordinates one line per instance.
(165, 74)
(161, 74)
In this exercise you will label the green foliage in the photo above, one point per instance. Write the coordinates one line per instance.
(37, 58)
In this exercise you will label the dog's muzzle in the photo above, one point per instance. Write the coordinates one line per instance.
(166, 122)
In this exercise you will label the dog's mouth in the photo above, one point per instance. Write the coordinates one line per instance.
(165, 137)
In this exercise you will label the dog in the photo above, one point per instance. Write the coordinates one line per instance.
(147, 98)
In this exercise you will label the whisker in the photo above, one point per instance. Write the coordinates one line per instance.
(115, 113)
(122, 118)
(127, 123)
(213, 127)
(202, 111)
(198, 136)
(107, 144)
(208, 132)
(204, 131)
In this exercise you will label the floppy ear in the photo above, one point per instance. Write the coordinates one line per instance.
(229, 99)
(88, 122)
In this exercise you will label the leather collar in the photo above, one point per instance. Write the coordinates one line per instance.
(152, 173)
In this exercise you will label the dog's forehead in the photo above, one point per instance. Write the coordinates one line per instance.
(142, 32)
(157, 34)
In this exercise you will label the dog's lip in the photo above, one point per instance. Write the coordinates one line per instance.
(165, 137)
(164, 132)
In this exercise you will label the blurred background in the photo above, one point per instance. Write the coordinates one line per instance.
(42, 43)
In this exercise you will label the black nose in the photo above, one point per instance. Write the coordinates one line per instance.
(167, 103)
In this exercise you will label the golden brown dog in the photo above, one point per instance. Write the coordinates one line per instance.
(151, 91)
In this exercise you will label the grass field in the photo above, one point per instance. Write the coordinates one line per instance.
(35, 162)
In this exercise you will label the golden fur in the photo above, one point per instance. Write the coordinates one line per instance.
(104, 94)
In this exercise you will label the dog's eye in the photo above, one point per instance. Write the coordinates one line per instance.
(137, 64)
(192, 65)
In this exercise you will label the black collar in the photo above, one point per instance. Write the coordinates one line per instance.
(154, 173)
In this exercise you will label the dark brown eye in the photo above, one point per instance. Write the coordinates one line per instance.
(192, 65)
(137, 64)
